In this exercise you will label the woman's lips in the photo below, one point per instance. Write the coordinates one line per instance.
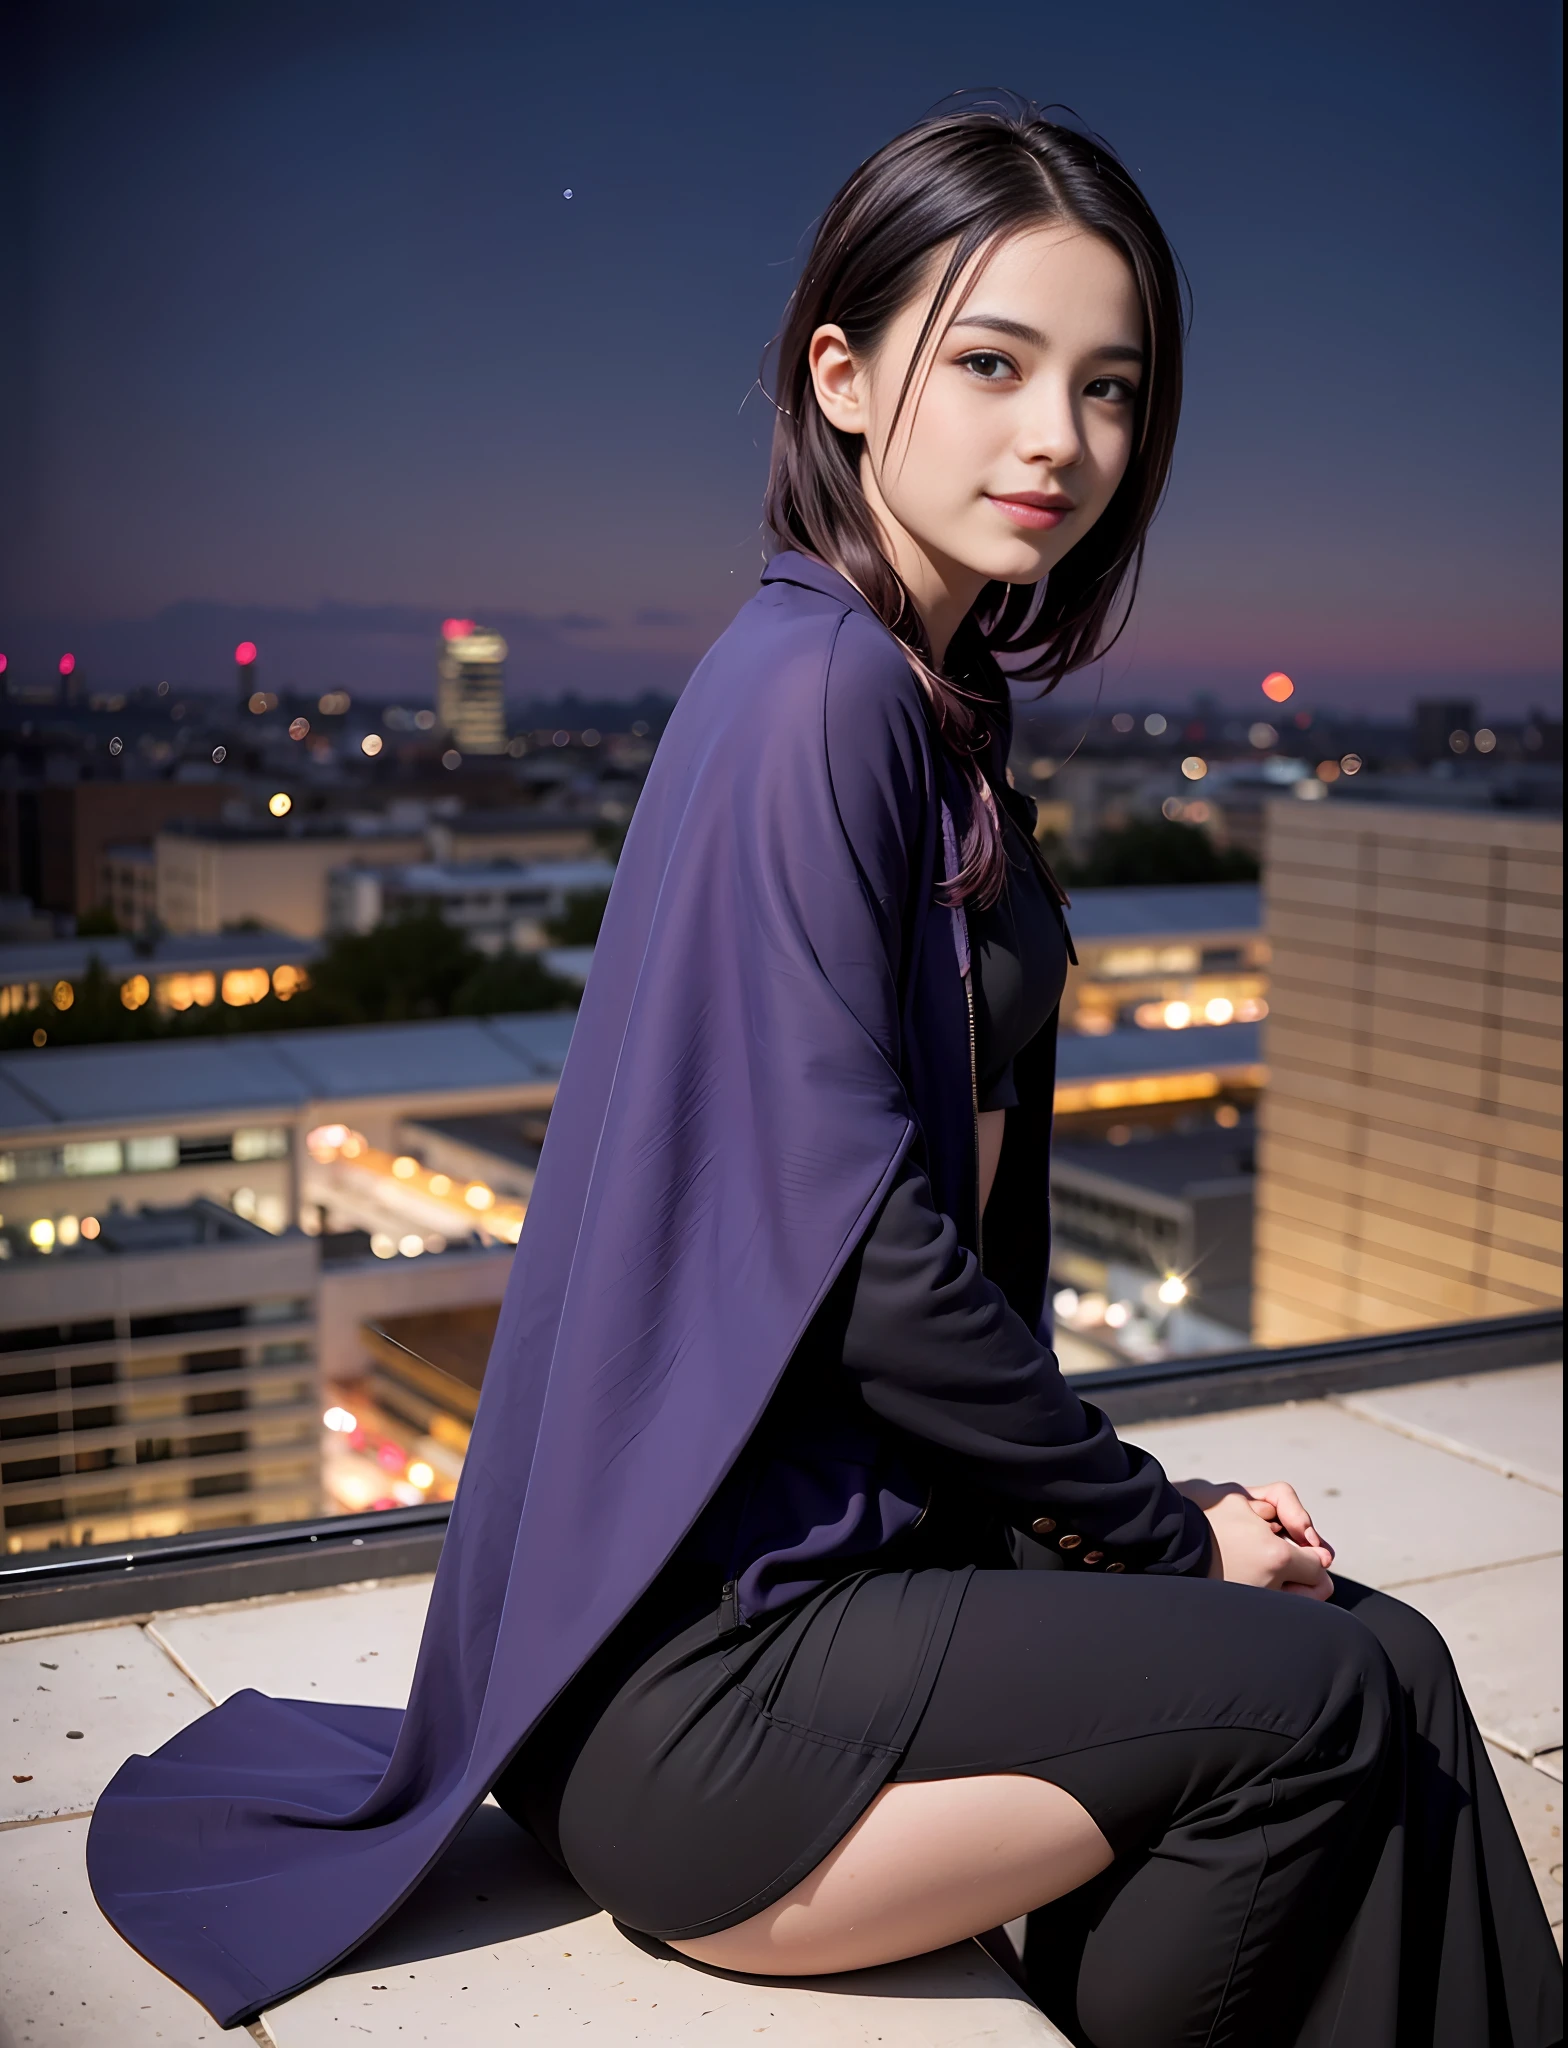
(1032, 512)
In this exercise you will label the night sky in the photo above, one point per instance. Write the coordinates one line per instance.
(312, 349)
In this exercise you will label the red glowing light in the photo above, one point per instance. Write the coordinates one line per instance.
(2, 664)
(1278, 686)
(456, 629)
(67, 664)
(245, 653)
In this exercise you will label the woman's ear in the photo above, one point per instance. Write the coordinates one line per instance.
(838, 380)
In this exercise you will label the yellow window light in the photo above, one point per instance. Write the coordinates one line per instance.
(447, 1430)
(135, 993)
(404, 1167)
(62, 995)
(280, 803)
(1147, 1090)
(288, 981)
(41, 1234)
(187, 991)
(478, 1196)
(242, 985)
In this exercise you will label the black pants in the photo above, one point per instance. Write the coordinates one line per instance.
(1311, 1847)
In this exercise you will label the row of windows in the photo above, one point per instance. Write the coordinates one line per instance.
(153, 1154)
(283, 1308)
(149, 1450)
(1081, 1206)
(1122, 963)
(32, 1514)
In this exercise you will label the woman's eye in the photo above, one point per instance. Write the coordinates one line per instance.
(1116, 389)
(987, 364)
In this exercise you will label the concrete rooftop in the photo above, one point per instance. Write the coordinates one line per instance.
(1449, 1493)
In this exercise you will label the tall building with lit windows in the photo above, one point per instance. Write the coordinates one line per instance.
(472, 685)
(1410, 1137)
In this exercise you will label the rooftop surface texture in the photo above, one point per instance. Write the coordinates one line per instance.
(1174, 912)
(1449, 1493)
(279, 1070)
(1168, 1161)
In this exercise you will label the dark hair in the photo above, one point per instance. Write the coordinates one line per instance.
(969, 179)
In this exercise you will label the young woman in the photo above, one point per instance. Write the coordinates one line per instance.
(792, 1599)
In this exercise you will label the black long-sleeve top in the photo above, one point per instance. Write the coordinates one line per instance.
(917, 1371)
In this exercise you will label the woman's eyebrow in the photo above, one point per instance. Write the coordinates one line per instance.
(1020, 330)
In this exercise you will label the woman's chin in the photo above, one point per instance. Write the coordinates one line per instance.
(1015, 564)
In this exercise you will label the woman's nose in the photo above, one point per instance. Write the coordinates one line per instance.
(1053, 432)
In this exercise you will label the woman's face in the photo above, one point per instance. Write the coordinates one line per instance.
(1019, 422)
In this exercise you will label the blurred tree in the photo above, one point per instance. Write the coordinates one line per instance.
(1151, 852)
(578, 924)
(98, 923)
(512, 981)
(409, 968)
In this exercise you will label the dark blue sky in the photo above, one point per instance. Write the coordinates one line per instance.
(303, 321)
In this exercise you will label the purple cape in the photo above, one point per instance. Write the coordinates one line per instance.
(775, 1015)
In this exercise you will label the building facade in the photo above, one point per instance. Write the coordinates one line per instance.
(1173, 958)
(158, 1378)
(218, 875)
(1410, 1142)
(471, 696)
(495, 904)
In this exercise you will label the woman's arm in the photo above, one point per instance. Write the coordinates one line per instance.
(938, 1352)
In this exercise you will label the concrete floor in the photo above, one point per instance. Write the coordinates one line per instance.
(1450, 1493)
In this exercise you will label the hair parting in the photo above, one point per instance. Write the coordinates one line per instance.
(956, 185)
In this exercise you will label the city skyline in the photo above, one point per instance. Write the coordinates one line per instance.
(315, 349)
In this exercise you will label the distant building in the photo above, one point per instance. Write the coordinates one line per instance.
(213, 875)
(1410, 1143)
(128, 885)
(1188, 956)
(157, 1378)
(472, 688)
(495, 904)
(1128, 1216)
(104, 1149)
(53, 839)
(525, 833)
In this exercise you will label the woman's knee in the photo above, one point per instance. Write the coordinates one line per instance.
(1341, 1681)
(1413, 1645)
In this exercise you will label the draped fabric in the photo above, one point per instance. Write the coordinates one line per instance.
(774, 1020)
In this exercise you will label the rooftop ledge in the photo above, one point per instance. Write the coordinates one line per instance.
(1436, 1466)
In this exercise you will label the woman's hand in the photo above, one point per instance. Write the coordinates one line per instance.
(1263, 1536)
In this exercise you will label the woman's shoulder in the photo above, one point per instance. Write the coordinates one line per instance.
(799, 657)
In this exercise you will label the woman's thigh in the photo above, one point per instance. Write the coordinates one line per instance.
(925, 1865)
(1078, 1720)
